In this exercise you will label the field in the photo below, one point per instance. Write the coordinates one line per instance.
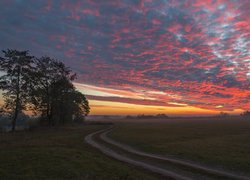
(223, 143)
(59, 153)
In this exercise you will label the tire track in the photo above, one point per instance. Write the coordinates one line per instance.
(107, 151)
(208, 170)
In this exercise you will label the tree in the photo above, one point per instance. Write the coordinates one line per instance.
(246, 114)
(48, 72)
(68, 104)
(161, 116)
(81, 106)
(17, 66)
(43, 85)
(54, 95)
(223, 114)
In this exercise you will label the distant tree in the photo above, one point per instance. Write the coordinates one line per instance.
(223, 114)
(246, 114)
(129, 117)
(161, 116)
(17, 66)
(142, 116)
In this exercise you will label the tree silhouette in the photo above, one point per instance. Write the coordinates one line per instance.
(48, 72)
(67, 103)
(16, 66)
(246, 114)
(54, 96)
(43, 85)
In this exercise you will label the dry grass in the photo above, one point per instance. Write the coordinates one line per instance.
(223, 143)
(58, 153)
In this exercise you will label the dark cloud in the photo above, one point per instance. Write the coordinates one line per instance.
(195, 50)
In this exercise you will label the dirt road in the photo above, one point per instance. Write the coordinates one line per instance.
(102, 134)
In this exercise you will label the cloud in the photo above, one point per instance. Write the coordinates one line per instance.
(134, 101)
(194, 52)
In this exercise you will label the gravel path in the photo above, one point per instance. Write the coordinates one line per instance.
(107, 151)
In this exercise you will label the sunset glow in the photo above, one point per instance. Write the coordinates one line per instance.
(187, 57)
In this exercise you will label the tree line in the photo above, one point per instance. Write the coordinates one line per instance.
(43, 86)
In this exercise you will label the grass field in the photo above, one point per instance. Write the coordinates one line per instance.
(222, 143)
(58, 153)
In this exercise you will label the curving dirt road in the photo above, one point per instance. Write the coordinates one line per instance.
(172, 160)
(103, 136)
(89, 139)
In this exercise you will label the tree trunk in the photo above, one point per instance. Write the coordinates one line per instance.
(15, 118)
(48, 112)
(48, 105)
(17, 101)
(51, 116)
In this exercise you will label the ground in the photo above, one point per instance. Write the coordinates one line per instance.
(218, 142)
(59, 153)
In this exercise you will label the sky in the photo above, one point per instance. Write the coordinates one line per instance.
(178, 57)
